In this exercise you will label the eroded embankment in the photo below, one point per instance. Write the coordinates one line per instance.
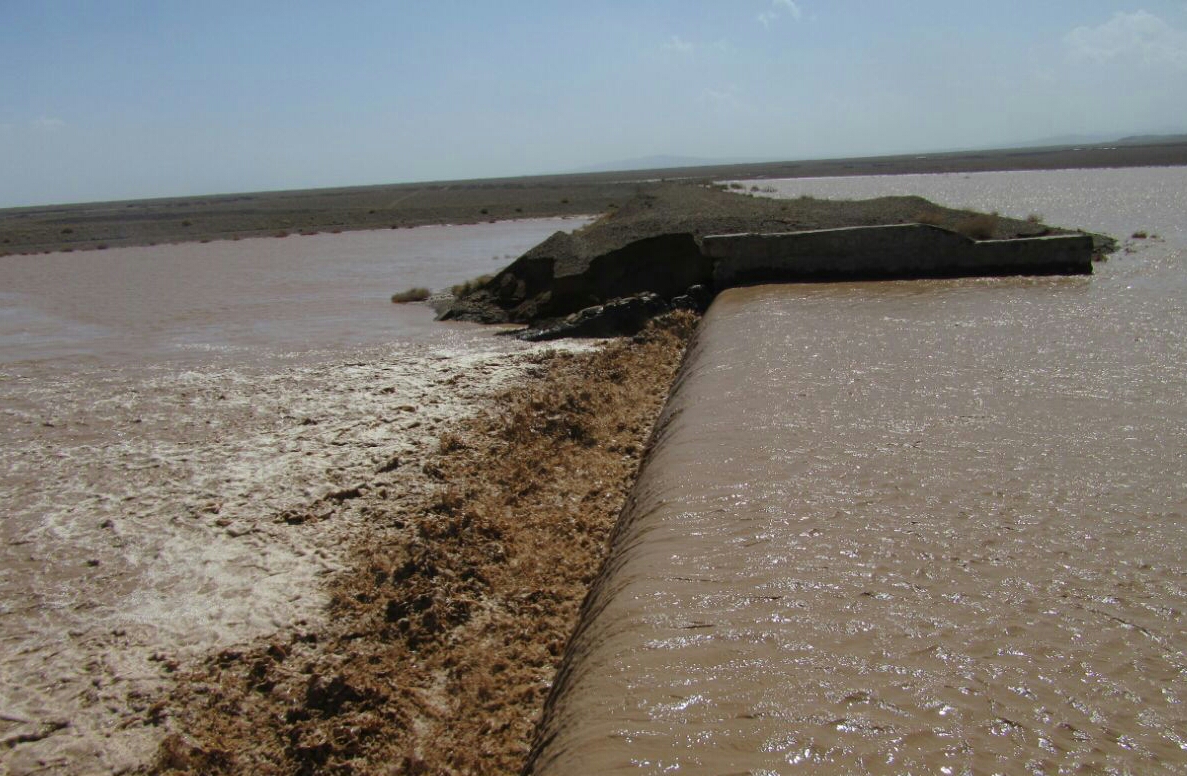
(444, 635)
(654, 250)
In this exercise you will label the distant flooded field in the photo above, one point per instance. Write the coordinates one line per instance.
(299, 293)
(930, 527)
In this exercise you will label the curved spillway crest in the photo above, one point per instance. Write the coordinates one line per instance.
(900, 527)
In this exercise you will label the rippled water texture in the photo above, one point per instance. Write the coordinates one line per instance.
(929, 527)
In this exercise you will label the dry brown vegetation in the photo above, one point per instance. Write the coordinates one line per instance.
(930, 217)
(979, 227)
(417, 294)
(461, 289)
(443, 638)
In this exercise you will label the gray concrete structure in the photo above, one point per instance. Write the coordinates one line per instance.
(901, 250)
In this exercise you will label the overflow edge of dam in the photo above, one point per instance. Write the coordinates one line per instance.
(905, 251)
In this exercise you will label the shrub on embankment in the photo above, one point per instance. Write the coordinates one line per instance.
(416, 294)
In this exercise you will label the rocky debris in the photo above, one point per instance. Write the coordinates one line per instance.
(626, 315)
(622, 316)
(697, 299)
(578, 284)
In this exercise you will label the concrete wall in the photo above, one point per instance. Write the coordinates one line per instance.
(904, 250)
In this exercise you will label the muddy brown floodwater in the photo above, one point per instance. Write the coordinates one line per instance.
(182, 426)
(930, 527)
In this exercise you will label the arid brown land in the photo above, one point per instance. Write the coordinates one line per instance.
(231, 216)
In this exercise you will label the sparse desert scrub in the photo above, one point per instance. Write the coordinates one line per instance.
(416, 294)
(979, 227)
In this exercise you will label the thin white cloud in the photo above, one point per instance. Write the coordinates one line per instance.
(44, 124)
(1130, 37)
(678, 45)
(790, 6)
(777, 8)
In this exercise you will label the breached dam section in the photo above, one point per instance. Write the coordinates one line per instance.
(930, 527)
(678, 246)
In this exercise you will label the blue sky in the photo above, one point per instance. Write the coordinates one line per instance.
(124, 99)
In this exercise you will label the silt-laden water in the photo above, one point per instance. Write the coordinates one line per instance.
(927, 527)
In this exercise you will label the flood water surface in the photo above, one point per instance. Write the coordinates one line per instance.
(176, 421)
(929, 527)
(325, 291)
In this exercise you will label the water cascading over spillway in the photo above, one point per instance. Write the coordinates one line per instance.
(892, 527)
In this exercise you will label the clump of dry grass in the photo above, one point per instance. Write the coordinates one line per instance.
(979, 227)
(462, 289)
(415, 294)
(929, 217)
(445, 634)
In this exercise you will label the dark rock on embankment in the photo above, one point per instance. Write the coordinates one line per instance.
(622, 315)
(652, 255)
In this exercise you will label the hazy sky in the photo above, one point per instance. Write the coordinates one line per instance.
(115, 99)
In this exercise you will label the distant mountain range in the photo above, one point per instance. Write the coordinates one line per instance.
(663, 162)
(667, 161)
(1095, 140)
(1151, 139)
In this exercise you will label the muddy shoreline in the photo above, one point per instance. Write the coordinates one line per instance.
(92, 226)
